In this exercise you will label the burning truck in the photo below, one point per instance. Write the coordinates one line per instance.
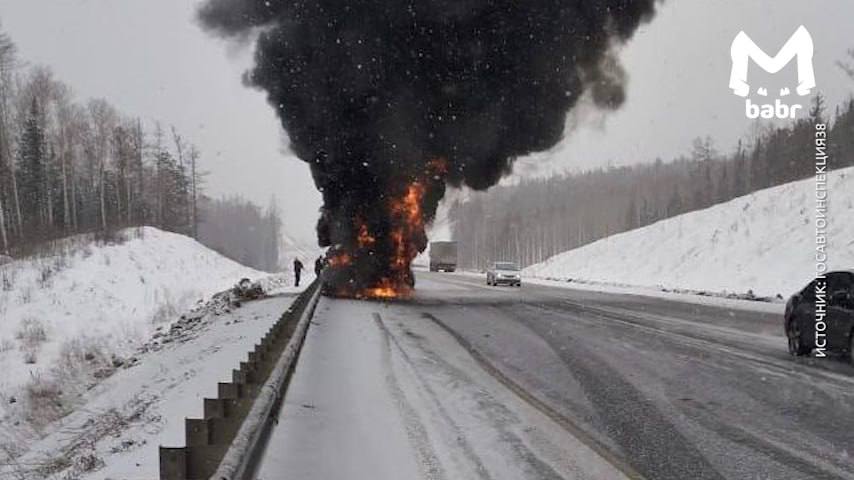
(400, 233)
(389, 102)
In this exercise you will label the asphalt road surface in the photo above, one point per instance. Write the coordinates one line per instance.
(657, 389)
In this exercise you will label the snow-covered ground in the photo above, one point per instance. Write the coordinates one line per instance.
(763, 242)
(684, 296)
(72, 318)
(127, 416)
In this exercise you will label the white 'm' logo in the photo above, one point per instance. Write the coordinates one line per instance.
(799, 45)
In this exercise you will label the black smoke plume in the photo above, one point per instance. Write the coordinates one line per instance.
(378, 96)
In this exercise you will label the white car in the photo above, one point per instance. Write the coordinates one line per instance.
(504, 272)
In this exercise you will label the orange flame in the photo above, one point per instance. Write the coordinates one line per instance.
(409, 207)
(407, 214)
(365, 239)
(340, 259)
(386, 290)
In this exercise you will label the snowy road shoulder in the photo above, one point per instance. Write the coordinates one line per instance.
(465, 278)
(380, 392)
(128, 415)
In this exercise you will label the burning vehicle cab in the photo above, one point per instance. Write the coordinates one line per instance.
(834, 331)
(504, 272)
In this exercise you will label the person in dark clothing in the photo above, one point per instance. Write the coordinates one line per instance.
(297, 271)
(318, 265)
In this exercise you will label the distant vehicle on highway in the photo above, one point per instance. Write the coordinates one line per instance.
(443, 256)
(504, 272)
(800, 316)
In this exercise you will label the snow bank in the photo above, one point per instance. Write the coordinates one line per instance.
(764, 242)
(99, 298)
(136, 409)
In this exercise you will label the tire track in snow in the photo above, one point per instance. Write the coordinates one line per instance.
(415, 429)
(530, 464)
(564, 422)
(502, 419)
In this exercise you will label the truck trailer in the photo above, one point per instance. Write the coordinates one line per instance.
(443, 256)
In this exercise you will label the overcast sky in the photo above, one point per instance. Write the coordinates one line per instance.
(150, 59)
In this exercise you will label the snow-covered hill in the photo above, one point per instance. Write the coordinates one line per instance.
(764, 242)
(92, 301)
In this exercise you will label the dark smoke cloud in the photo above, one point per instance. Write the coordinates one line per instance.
(369, 92)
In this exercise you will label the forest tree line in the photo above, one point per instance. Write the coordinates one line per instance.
(242, 231)
(537, 218)
(68, 168)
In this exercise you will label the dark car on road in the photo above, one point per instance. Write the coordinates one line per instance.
(838, 322)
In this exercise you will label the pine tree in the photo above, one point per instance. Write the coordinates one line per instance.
(31, 173)
(740, 175)
(674, 204)
(758, 172)
(817, 109)
(273, 224)
(723, 192)
(631, 221)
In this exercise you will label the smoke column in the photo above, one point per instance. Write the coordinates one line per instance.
(390, 101)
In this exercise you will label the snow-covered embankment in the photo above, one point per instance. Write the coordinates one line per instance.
(764, 242)
(93, 304)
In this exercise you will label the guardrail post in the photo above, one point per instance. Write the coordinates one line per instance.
(173, 463)
(209, 439)
(214, 408)
(197, 432)
(229, 391)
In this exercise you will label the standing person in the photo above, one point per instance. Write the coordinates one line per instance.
(318, 266)
(297, 271)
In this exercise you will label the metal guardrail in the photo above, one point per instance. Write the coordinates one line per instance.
(222, 444)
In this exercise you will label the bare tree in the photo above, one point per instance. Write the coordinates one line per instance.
(179, 152)
(196, 182)
(104, 119)
(8, 64)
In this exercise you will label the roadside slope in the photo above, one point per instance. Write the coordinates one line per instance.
(87, 305)
(763, 242)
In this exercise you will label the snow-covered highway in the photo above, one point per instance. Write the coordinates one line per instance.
(469, 381)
